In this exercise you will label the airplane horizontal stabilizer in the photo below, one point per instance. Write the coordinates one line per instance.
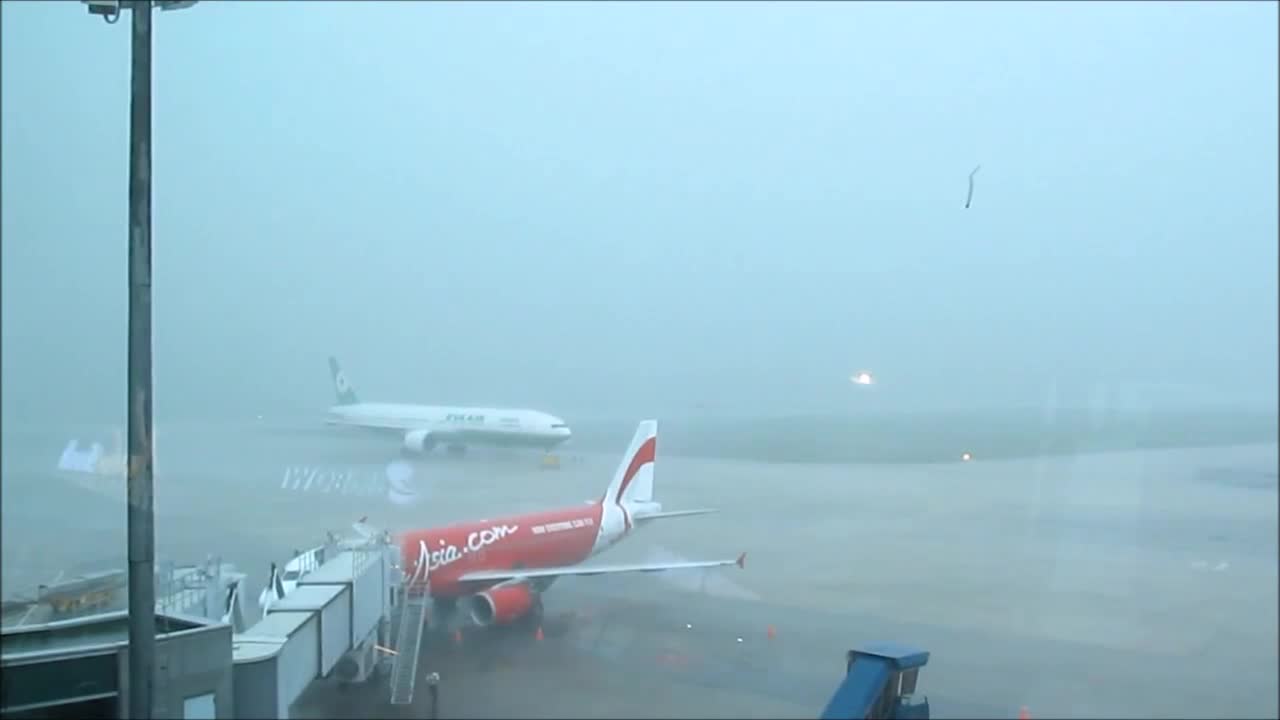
(673, 514)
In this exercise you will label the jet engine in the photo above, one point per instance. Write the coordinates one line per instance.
(419, 441)
(502, 604)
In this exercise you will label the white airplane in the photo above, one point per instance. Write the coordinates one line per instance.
(423, 427)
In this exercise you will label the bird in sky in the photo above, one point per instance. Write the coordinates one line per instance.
(970, 198)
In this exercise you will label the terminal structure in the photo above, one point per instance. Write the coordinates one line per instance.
(329, 628)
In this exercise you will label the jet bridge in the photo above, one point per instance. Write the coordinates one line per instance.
(327, 628)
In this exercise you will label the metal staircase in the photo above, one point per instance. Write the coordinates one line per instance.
(415, 598)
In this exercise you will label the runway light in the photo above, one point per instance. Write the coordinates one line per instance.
(739, 639)
(688, 626)
(966, 457)
(862, 378)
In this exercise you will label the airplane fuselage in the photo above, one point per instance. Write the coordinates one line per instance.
(565, 536)
(425, 426)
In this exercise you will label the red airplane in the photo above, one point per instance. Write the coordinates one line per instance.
(498, 569)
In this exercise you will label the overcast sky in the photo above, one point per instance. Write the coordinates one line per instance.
(646, 207)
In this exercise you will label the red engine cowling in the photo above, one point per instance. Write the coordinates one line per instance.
(502, 604)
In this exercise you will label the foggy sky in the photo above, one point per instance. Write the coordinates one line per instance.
(647, 207)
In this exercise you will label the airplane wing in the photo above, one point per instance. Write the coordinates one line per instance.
(394, 426)
(584, 570)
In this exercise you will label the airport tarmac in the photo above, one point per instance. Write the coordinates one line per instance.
(1122, 584)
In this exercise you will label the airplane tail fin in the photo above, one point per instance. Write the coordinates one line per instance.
(272, 592)
(633, 480)
(341, 386)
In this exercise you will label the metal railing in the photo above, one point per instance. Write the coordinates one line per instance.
(415, 597)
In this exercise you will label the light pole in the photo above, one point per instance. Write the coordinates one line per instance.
(141, 520)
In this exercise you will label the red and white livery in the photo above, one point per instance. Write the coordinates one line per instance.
(496, 569)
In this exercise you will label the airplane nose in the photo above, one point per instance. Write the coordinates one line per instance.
(560, 429)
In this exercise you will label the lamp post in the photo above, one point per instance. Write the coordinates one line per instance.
(139, 468)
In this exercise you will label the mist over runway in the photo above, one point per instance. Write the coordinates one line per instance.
(1078, 580)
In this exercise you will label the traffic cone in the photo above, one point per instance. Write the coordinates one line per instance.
(538, 634)
(1024, 714)
(772, 632)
